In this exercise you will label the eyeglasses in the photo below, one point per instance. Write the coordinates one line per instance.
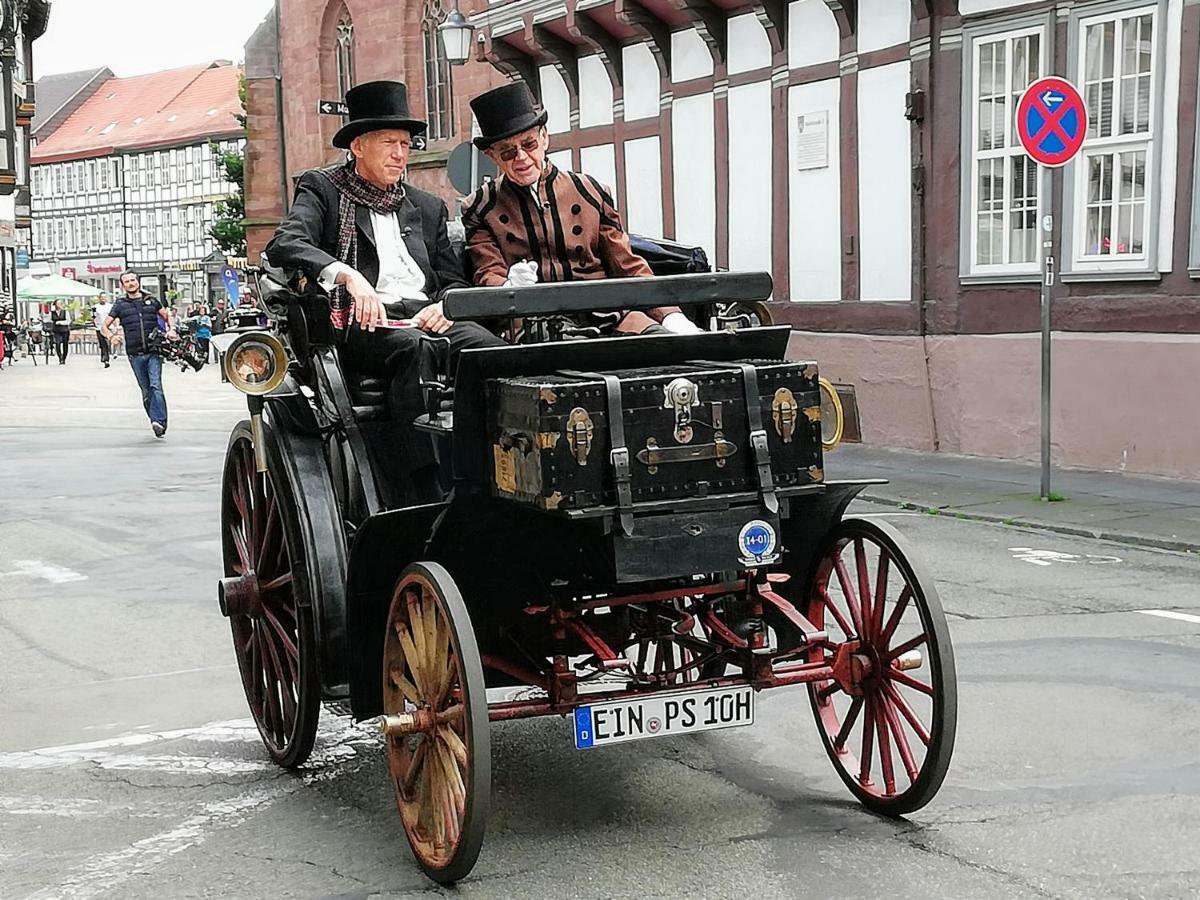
(509, 153)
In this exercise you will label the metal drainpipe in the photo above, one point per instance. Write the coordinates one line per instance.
(923, 269)
(284, 194)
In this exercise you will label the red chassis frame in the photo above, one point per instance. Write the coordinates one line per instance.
(848, 669)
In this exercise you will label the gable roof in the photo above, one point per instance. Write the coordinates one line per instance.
(58, 96)
(162, 109)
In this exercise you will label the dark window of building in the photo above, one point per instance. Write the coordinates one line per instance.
(343, 49)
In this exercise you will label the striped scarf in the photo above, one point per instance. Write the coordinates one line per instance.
(353, 191)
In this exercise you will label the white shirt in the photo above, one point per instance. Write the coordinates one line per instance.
(400, 278)
(102, 311)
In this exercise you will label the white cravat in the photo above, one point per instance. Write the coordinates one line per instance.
(400, 278)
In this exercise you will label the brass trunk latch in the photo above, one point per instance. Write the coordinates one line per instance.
(579, 434)
(784, 410)
(681, 395)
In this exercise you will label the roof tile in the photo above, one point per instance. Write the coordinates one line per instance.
(163, 108)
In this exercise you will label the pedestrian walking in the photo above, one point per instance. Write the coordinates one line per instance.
(8, 335)
(203, 330)
(140, 315)
(99, 314)
(60, 318)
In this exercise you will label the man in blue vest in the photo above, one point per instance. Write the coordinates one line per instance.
(139, 315)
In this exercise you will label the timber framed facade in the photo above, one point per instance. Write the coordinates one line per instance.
(862, 152)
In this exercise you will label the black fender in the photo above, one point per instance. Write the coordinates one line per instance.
(302, 458)
(811, 518)
(383, 546)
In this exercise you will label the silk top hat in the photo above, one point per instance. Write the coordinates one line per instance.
(374, 106)
(505, 111)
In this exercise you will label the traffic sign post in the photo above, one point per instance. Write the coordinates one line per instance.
(1051, 125)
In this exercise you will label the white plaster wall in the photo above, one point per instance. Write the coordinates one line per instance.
(1170, 135)
(601, 163)
(750, 155)
(885, 193)
(595, 93)
(694, 172)
(749, 47)
(882, 23)
(555, 99)
(641, 83)
(971, 7)
(561, 158)
(815, 201)
(643, 187)
(812, 34)
(689, 56)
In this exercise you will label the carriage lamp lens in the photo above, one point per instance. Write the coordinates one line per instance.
(256, 363)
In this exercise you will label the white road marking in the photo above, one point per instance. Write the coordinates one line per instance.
(104, 873)
(233, 730)
(160, 674)
(35, 568)
(1170, 614)
(1037, 557)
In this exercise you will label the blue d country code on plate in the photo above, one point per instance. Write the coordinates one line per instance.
(666, 714)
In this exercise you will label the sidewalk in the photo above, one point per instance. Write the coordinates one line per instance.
(1133, 509)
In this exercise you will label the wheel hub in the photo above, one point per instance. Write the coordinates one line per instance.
(240, 595)
(854, 667)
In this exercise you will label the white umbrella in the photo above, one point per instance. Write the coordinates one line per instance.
(54, 287)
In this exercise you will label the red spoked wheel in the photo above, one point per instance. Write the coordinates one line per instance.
(888, 717)
(265, 594)
(436, 722)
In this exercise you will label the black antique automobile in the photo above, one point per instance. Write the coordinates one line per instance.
(638, 535)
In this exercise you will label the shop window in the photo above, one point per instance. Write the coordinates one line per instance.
(1003, 185)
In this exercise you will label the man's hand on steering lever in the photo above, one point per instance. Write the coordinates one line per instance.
(432, 319)
(369, 311)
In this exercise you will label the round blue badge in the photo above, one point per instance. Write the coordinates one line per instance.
(757, 541)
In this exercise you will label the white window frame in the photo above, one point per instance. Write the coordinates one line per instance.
(1007, 30)
(1078, 263)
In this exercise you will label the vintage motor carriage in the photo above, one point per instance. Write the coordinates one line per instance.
(639, 536)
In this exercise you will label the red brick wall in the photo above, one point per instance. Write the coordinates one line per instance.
(264, 202)
(388, 44)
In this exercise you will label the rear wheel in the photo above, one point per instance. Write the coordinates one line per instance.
(266, 595)
(436, 722)
(887, 719)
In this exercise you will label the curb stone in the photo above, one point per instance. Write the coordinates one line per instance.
(1135, 540)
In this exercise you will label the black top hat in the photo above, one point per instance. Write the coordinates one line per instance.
(374, 106)
(505, 111)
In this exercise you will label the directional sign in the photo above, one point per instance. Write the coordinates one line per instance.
(1051, 121)
(332, 108)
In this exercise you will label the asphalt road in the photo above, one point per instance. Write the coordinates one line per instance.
(128, 767)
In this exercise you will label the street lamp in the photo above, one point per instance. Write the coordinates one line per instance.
(456, 37)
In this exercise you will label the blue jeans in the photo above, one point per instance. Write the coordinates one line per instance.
(147, 369)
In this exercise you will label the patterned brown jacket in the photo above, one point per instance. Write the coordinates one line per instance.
(567, 224)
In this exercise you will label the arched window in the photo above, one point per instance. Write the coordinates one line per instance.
(343, 50)
(439, 96)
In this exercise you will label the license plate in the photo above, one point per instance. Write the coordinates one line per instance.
(660, 714)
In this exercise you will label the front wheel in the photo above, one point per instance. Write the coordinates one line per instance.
(266, 595)
(887, 718)
(436, 722)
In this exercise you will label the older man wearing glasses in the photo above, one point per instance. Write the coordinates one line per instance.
(537, 222)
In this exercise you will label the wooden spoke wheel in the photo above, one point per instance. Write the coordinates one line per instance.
(887, 718)
(265, 594)
(436, 722)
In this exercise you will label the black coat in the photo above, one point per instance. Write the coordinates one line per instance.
(307, 240)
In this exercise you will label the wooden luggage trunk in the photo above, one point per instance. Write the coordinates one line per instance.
(685, 429)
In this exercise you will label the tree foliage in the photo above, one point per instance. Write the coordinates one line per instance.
(229, 227)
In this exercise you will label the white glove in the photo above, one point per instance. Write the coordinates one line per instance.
(522, 274)
(678, 323)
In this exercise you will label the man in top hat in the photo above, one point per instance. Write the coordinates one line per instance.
(380, 247)
(536, 222)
